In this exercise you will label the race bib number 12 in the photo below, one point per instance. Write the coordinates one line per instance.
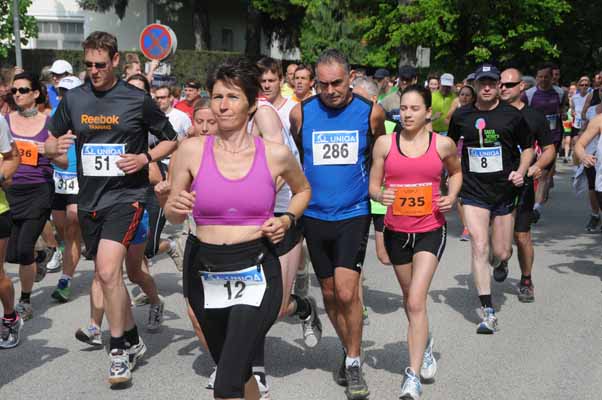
(227, 289)
(101, 159)
(335, 147)
(485, 159)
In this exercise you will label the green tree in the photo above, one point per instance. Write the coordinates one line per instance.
(28, 25)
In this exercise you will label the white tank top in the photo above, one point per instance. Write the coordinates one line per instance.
(578, 103)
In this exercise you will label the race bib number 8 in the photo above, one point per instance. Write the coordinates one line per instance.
(65, 183)
(413, 200)
(101, 159)
(335, 147)
(227, 289)
(28, 150)
(485, 159)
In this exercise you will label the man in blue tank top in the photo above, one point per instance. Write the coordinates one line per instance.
(335, 131)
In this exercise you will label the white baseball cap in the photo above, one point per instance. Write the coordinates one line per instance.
(447, 80)
(70, 82)
(60, 67)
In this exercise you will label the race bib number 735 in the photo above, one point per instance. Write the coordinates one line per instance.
(335, 147)
(101, 159)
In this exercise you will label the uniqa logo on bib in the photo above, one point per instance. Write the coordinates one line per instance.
(253, 275)
(335, 137)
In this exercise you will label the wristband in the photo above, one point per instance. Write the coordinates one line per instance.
(148, 157)
(291, 216)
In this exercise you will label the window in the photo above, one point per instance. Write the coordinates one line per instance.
(59, 34)
(227, 39)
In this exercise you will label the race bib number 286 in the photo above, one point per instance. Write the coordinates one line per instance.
(101, 159)
(335, 147)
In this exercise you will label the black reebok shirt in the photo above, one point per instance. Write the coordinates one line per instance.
(108, 124)
(490, 150)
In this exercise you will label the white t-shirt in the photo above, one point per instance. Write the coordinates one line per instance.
(180, 122)
(5, 136)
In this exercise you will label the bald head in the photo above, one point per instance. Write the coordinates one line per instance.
(511, 75)
(511, 86)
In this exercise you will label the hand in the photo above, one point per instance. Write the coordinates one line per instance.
(387, 197)
(184, 202)
(41, 148)
(516, 178)
(60, 145)
(154, 65)
(162, 190)
(275, 228)
(436, 115)
(588, 160)
(445, 203)
(534, 172)
(131, 163)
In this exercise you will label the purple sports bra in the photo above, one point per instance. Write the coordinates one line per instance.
(222, 201)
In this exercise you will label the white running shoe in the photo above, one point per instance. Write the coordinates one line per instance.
(429, 363)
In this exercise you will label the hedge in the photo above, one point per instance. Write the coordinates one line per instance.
(185, 64)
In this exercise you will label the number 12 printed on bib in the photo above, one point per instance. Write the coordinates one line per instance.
(101, 159)
(335, 147)
(227, 289)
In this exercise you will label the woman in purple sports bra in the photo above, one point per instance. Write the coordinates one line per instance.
(232, 276)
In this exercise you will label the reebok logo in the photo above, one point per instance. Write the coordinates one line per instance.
(99, 119)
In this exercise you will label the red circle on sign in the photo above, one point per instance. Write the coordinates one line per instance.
(152, 44)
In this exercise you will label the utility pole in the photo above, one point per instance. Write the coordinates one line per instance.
(17, 33)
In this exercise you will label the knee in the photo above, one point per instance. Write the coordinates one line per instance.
(522, 239)
(108, 277)
(480, 247)
(328, 295)
(345, 296)
(415, 306)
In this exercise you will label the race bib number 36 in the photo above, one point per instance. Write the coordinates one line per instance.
(227, 289)
(335, 147)
(28, 150)
(65, 182)
(485, 159)
(413, 200)
(101, 159)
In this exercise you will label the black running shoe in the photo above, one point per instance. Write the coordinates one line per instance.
(593, 224)
(341, 377)
(500, 273)
(357, 388)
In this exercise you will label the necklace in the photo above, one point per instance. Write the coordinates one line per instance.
(232, 151)
(32, 112)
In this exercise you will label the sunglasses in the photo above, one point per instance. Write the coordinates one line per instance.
(509, 85)
(90, 65)
(22, 90)
(161, 97)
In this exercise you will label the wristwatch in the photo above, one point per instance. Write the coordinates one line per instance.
(148, 157)
(292, 217)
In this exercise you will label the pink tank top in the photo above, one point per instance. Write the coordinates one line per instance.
(416, 181)
(222, 201)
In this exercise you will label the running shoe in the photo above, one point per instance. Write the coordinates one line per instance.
(155, 317)
(42, 259)
(365, 316)
(312, 326)
(262, 383)
(56, 262)
(465, 236)
(357, 388)
(411, 388)
(140, 300)
(90, 335)
(500, 273)
(136, 352)
(429, 363)
(10, 332)
(593, 225)
(119, 371)
(25, 310)
(526, 293)
(62, 293)
(489, 323)
(341, 376)
(177, 253)
(211, 380)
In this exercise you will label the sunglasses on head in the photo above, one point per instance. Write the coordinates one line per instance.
(22, 90)
(90, 65)
(509, 85)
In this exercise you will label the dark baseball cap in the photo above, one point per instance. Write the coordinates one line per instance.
(407, 72)
(381, 73)
(487, 71)
(193, 83)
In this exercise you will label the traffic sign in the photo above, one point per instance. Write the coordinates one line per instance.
(157, 42)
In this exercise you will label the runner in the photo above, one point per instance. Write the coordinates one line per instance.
(492, 169)
(178, 119)
(411, 163)
(235, 234)
(288, 86)
(192, 92)
(511, 87)
(12, 323)
(442, 102)
(407, 76)
(304, 83)
(110, 120)
(433, 83)
(60, 69)
(382, 78)
(204, 122)
(592, 133)
(335, 130)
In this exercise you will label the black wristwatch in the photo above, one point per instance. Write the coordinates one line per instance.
(292, 217)
(148, 157)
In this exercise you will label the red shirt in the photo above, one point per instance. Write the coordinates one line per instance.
(187, 108)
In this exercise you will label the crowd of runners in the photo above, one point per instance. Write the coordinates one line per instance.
(266, 173)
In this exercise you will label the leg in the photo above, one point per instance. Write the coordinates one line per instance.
(138, 272)
(501, 236)
(477, 221)
(542, 189)
(349, 309)
(48, 235)
(381, 252)
(330, 304)
(526, 254)
(289, 263)
(72, 239)
(196, 326)
(7, 290)
(97, 309)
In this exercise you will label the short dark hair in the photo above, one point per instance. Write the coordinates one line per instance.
(331, 56)
(165, 87)
(141, 78)
(99, 40)
(306, 67)
(422, 91)
(268, 64)
(546, 65)
(34, 81)
(238, 72)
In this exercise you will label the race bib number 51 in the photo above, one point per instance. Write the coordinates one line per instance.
(227, 289)
(413, 200)
(101, 159)
(485, 159)
(335, 147)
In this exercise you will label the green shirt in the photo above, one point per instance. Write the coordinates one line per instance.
(441, 104)
(375, 206)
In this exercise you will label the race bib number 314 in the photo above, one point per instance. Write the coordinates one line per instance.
(335, 147)
(101, 159)
(485, 159)
(227, 289)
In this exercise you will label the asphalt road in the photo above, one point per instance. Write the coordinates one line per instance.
(551, 349)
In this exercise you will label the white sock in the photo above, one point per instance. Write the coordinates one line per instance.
(537, 206)
(352, 361)
(67, 277)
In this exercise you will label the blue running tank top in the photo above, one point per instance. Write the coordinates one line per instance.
(336, 145)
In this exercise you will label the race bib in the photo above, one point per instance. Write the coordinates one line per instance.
(65, 182)
(227, 289)
(335, 147)
(578, 123)
(552, 121)
(413, 200)
(101, 159)
(28, 150)
(485, 159)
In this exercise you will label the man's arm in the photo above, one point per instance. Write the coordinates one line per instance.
(296, 120)
(592, 130)
(267, 124)
(377, 121)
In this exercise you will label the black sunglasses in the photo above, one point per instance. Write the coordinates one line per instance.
(90, 65)
(22, 90)
(509, 85)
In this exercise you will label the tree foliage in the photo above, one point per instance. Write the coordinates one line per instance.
(28, 25)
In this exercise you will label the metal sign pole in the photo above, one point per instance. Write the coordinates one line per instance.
(17, 33)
